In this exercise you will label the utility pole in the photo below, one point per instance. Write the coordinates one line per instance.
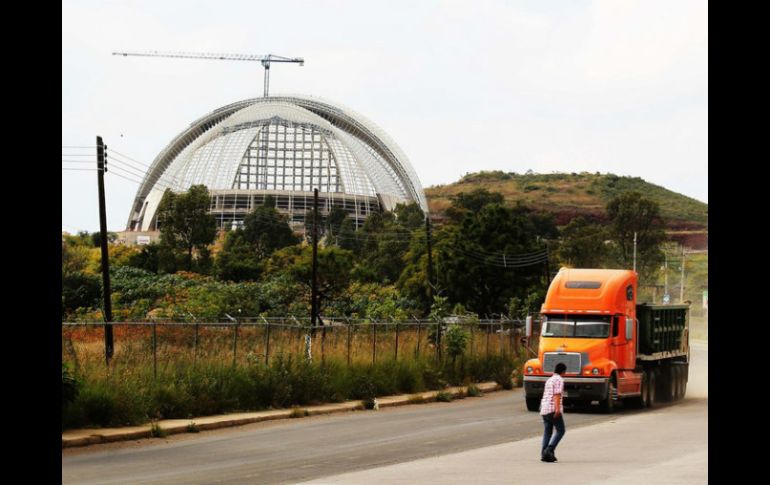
(681, 289)
(634, 251)
(314, 287)
(430, 282)
(430, 259)
(101, 166)
(665, 273)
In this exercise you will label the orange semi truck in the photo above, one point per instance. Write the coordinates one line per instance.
(614, 348)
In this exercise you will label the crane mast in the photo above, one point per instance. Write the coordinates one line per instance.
(264, 60)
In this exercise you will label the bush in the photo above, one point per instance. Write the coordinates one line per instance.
(474, 391)
(444, 397)
(123, 395)
(69, 386)
(157, 432)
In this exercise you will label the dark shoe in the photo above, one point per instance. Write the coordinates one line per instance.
(549, 456)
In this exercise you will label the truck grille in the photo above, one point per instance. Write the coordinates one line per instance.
(571, 360)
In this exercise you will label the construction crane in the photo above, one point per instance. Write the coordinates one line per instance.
(265, 60)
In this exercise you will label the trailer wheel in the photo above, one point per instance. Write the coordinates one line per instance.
(533, 404)
(685, 375)
(651, 394)
(679, 377)
(673, 383)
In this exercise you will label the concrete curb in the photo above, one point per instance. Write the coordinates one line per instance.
(85, 437)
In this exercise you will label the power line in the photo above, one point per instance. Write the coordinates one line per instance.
(124, 155)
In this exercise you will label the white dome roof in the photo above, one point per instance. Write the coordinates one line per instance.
(281, 143)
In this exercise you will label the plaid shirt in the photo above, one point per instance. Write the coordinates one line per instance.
(554, 385)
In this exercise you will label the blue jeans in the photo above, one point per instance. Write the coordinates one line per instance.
(549, 422)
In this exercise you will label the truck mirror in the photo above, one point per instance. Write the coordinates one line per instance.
(528, 326)
(629, 328)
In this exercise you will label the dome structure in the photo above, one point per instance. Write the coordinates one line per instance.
(283, 146)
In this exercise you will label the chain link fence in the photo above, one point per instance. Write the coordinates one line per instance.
(165, 343)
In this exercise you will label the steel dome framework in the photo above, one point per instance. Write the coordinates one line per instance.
(282, 146)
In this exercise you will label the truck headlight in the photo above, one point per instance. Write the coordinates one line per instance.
(595, 371)
(529, 369)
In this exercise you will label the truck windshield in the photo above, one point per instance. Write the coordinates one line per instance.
(579, 326)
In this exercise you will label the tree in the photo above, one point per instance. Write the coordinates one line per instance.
(384, 242)
(267, 230)
(410, 216)
(469, 203)
(244, 250)
(470, 263)
(238, 260)
(582, 244)
(185, 223)
(333, 275)
(631, 213)
(146, 259)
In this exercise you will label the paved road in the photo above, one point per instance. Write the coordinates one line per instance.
(665, 445)
(327, 446)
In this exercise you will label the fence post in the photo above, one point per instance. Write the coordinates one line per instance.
(235, 338)
(154, 351)
(438, 350)
(487, 330)
(417, 350)
(267, 340)
(396, 353)
(502, 342)
(374, 342)
(472, 333)
(349, 330)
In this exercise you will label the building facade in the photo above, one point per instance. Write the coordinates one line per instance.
(283, 146)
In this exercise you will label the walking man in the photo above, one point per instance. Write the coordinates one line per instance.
(552, 411)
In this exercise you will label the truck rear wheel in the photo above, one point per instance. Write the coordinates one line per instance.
(651, 383)
(533, 404)
(685, 375)
(673, 383)
(666, 384)
(679, 377)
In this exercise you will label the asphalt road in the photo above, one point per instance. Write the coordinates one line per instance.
(305, 449)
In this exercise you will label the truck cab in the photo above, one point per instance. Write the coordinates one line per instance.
(588, 323)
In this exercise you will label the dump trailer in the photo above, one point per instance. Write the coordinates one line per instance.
(614, 348)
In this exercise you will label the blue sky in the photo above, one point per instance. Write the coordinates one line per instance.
(566, 86)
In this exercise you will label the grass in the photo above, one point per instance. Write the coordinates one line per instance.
(474, 391)
(193, 428)
(157, 432)
(206, 383)
(443, 396)
(297, 412)
(583, 193)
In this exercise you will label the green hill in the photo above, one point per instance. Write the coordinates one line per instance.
(568, 195)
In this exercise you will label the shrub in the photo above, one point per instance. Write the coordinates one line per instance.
(297, 412)
(474, 391)
(193, 428)
(69, 386)
(157, 432)
(443, 396)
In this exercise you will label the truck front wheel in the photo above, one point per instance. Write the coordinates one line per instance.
(533, 404)
(608, 404)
